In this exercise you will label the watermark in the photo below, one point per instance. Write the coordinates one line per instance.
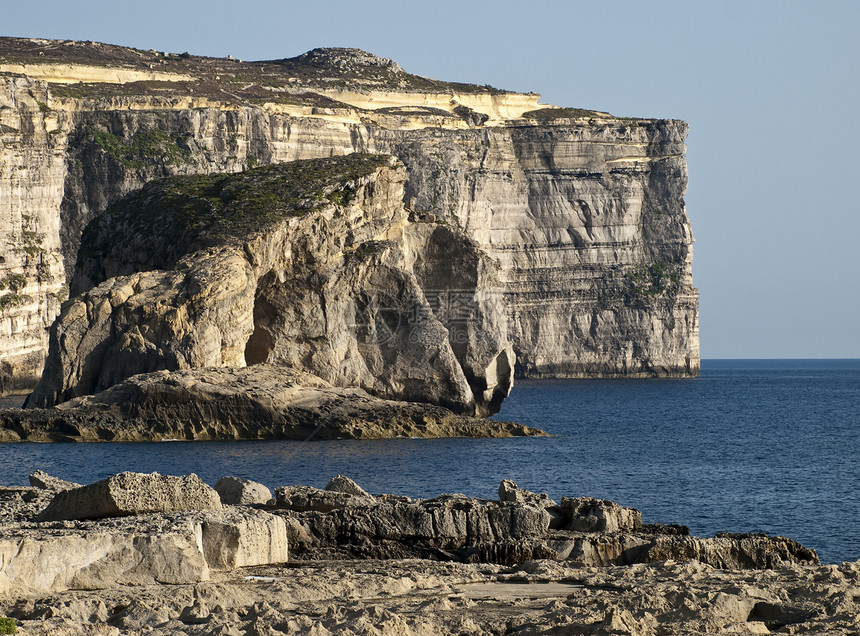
(383, 317)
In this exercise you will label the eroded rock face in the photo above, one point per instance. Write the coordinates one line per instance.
(582, 213)
(325, 288)
(521, 527)
(177, 548)
(32, 280)
(587, 514)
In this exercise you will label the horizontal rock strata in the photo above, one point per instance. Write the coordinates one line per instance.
(582, 213)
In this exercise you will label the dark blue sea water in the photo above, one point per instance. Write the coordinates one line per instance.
(750, 446)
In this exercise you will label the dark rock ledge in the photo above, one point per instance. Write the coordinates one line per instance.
(259, 402)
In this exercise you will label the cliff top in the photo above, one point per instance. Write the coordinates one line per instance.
(323, 78)
(326, 68)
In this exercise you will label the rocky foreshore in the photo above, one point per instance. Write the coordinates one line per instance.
(159, 554)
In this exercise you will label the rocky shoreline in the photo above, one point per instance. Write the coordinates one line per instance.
(259, 402)
(170, 555)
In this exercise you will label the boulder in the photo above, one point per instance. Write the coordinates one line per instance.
(242, 537)
(235, 491)
(90, 557)
(339, 483)
(130, 494)
(510, 492)
(587, 514)
(303, 498)
(42, 480)
(173, 549)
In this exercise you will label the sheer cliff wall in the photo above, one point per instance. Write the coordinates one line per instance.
(584, 216)
(32, 280)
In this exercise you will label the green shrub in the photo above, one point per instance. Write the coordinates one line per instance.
(547, 114)
(7, 625)
(145, 147)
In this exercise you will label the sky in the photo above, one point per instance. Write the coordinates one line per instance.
(770, 88)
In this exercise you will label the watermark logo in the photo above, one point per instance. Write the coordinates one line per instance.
(382, 317)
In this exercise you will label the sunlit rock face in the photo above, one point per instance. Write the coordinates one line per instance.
(32, 280)
(309, 266)
(581, 215)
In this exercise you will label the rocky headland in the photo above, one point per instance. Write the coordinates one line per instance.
(578, 216)
(287, 301)
(158, 554)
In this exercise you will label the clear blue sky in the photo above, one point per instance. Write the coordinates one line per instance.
(771, 90)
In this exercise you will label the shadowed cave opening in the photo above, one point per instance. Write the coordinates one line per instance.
(262, 341)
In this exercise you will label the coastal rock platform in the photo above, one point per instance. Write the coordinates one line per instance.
(352, 569)
(432, 598)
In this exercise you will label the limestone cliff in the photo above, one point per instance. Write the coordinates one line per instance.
(32, 280)
(580, 213)
(302, 265)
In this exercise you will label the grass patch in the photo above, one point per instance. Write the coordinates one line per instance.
(366, 250)
(13, 282)
(176, 215)
(8, 301)
(143, 148)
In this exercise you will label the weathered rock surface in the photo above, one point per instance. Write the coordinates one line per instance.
(258, 402)
(130, 494)
(222, 572)
(429, 598)
(587, 514)
(586, 531)
(235, 491)
(32, 279)
(41, 479)
(179, 547)
(342, 483)
(303, 266)
(580, 213)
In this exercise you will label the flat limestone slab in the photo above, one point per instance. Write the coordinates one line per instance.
(178, 548)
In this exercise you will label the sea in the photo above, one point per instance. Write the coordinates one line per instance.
(769, 446)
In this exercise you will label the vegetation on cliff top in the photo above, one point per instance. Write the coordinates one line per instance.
(547, 114)
(176, 215)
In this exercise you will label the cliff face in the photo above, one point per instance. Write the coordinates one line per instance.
(304, 266)
(582, 214)
(32, 280)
